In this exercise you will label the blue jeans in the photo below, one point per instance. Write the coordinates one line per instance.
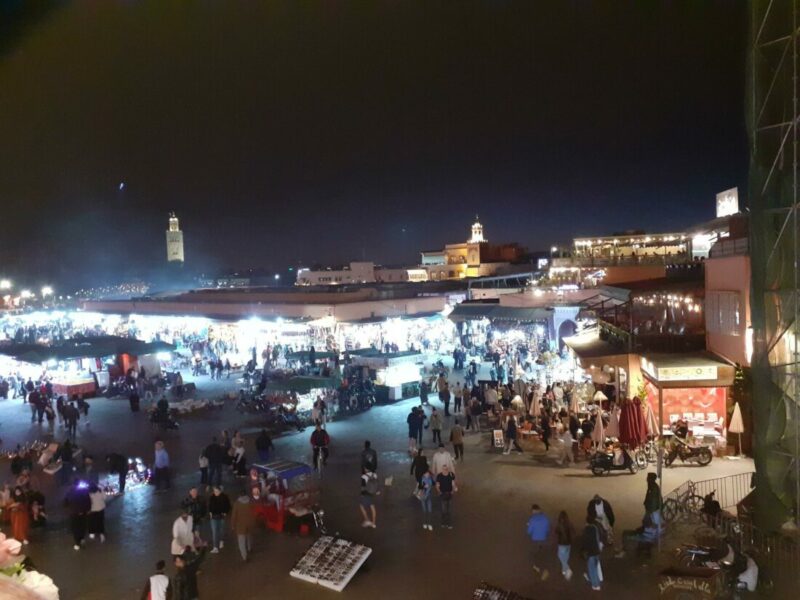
(217, 531)
(563, 556)
(214, 474)
(427, 509)
(593, 565)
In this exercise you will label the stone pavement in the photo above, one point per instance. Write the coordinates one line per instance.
(487, 543)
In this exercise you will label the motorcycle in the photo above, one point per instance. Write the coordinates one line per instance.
(602, 463)
(688, 453)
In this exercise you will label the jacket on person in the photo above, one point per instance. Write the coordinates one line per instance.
(457, 434)
(419, 466)
(184, 583)
(652, 499)
(219, 505)
(591, 539)
(591, 510)
(369, 459)
(440, 458)
(214, 453)
(538, 527)
(243, 519)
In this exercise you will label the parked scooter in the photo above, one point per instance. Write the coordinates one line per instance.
(602, 462)
(687, 453)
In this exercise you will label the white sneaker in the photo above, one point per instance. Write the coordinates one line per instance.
(214, 551)
(91, 536)
(76, 547)
(366, 524)
(425, 527)
(371, 524)
(102, 537)
(221, 545)
(568, 574)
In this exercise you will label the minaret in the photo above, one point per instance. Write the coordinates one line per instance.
(477, 232)
(174, 241)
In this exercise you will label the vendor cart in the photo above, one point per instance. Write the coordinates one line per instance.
(292, 495)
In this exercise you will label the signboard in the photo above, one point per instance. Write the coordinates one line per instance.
(686, 373)
(728, 202)
(498, 438)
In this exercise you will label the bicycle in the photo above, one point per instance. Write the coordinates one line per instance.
(687, 504)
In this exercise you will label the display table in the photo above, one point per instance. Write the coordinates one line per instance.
(331, 562)
(69, 387)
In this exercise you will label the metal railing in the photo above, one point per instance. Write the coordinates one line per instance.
(777, 550)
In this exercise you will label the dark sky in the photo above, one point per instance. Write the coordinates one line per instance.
(320, 131)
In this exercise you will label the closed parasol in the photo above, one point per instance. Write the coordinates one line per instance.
(632, 427)
(613, 423)
(651, 420)
(598, 433)
(737, 425)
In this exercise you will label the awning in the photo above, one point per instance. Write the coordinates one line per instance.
(589, 345)
(494, 312)
(303, 355)
(429, 315)
(88, 347)
(696, 369)
(301, 385)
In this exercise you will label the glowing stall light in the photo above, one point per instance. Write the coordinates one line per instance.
(163, 355)
(47, 291)
(25, 294)
(5, 284)
(748, 344)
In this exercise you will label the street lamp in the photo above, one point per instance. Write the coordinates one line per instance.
(25, 294)
(5, 284)
(277, 277)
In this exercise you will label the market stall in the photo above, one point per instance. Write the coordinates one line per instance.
(331, 562)
(396, 374)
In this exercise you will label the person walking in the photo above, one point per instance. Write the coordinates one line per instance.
(369, 458)
(446, 487)
(195, 505)
(97, 513)
(157, 586)
(79, 504)
(564, 539)
(538, 531)
(603, 513)
(457, 397)
(413, 430)
(366, 500)
(117, 463)
(424, 494)
(457, 439)
(511, 435)
(320, 440)
(182, 533)
(435, 423)
(441, 459)
(592, 543)
(653, 500)
(263, 446)
(219, 507)
(243, 521)
(161, 467)
(184, 582)
(419, 466)
(71, 417)
(215, 453)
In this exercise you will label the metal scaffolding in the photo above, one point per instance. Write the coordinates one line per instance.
(775, 238)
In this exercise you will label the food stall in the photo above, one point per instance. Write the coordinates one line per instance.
(396, 374)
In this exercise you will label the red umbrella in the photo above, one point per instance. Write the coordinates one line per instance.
(632, 428)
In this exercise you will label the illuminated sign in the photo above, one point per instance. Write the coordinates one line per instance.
(728, 202)
(688, 373)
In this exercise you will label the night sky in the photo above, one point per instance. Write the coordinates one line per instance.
(301, 132)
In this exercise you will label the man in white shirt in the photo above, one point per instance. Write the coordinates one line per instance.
(558, 394)
(490, 395)
(157, 585)
(182, 534)
(441, 458)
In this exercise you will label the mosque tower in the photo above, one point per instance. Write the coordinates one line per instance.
(174, 241)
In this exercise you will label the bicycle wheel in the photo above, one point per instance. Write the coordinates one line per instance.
(641, 459)
(670, 510)
(694, 504)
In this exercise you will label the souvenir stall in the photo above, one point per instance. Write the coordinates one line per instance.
(331, 562)
(431, 333)
(694, 387)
